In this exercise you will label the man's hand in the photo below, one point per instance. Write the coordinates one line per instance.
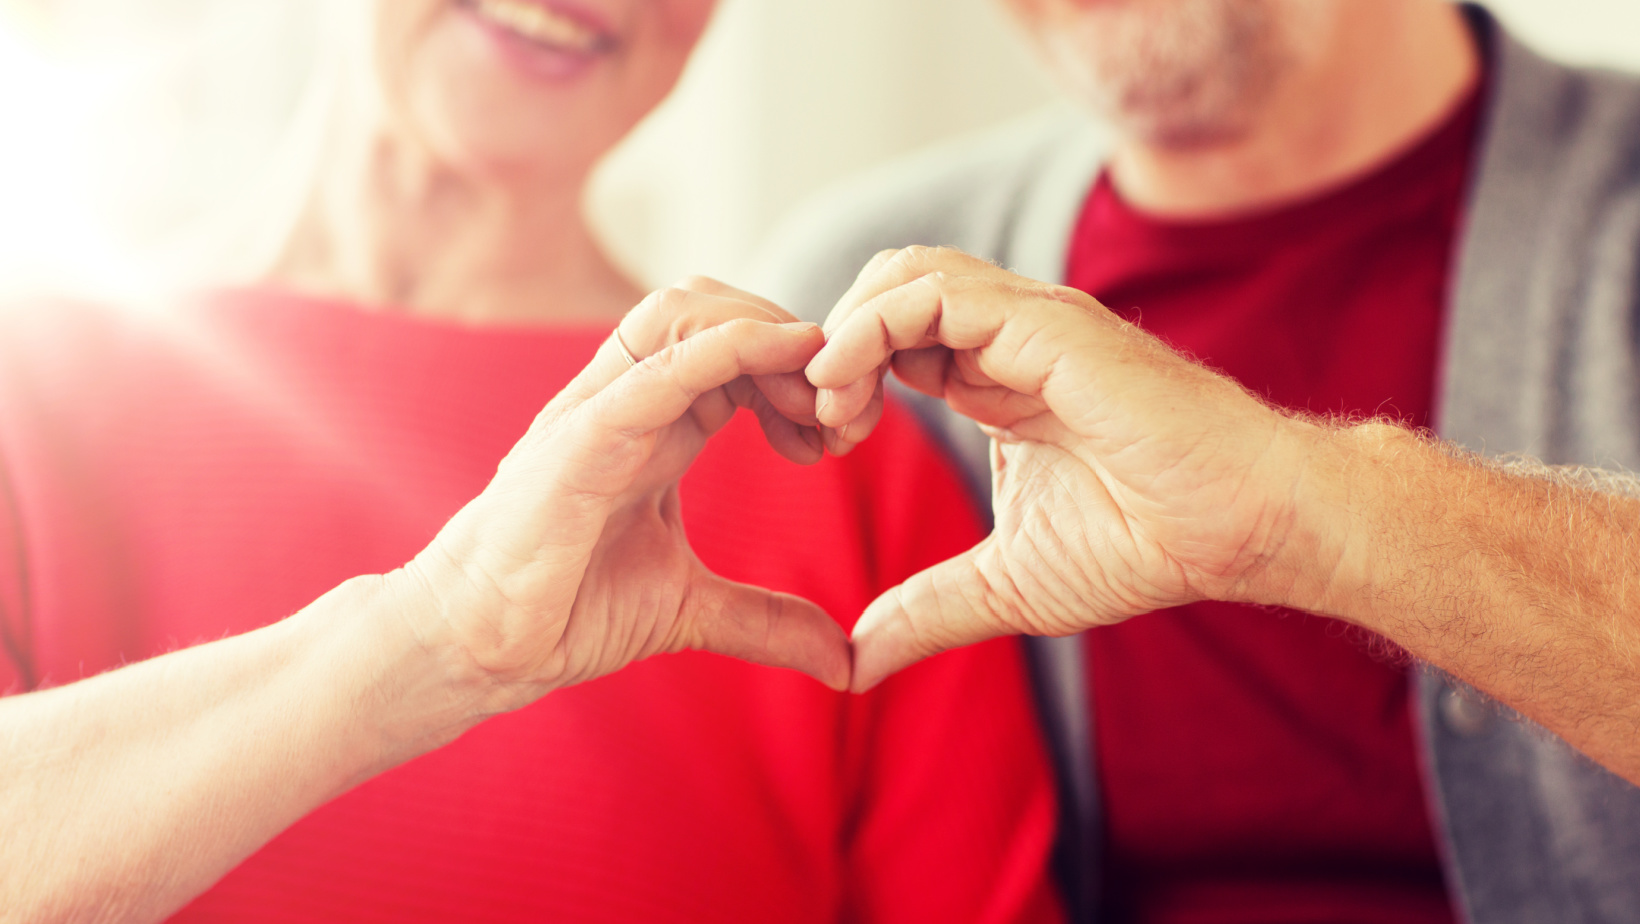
(1126, 479)
(574, 563)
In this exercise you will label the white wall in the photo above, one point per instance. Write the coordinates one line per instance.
(786, 95)
(1602, 32)
(170, 103)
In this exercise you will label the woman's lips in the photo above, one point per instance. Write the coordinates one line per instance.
(547, 38)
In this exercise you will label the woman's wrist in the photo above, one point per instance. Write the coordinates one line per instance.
(393, 679)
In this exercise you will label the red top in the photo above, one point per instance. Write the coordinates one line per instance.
(171, 479)
(1256, 765)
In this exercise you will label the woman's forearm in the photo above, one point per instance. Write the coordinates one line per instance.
(127, 794)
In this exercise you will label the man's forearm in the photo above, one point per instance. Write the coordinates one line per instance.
(125, 795)
(1518, 579)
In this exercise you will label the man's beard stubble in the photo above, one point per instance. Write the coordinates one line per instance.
(1179, 73)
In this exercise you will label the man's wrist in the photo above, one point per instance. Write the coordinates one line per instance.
(1346, 495)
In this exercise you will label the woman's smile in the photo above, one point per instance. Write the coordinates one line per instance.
(551, 39)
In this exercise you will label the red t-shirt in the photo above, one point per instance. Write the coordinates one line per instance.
(173, 479)
(1259, 766)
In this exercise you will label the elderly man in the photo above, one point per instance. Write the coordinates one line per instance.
(1355, 208)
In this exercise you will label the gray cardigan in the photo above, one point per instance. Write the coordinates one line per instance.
(1543, 357)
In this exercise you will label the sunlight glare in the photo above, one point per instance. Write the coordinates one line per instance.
(49, 221)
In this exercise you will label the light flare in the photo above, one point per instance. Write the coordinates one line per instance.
(49, 214)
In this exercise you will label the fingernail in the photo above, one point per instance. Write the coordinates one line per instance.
(801, 326)
(835, 444)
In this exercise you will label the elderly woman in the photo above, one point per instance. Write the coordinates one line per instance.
(199, 475)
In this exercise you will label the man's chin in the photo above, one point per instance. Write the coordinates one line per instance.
(1172, 130)
(1190, 73)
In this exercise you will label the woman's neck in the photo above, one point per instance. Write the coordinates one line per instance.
(392, 227)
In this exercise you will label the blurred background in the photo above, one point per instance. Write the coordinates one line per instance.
(125, 123)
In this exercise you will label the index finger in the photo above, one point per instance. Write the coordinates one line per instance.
(845, 401)
(789, 393)
(665, 317)
(706, 285)
(662, 388)
(1016, 332)
(890, 269)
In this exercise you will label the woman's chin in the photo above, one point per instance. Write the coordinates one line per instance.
(500, 86)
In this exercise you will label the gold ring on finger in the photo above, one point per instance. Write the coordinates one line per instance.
(626, 354)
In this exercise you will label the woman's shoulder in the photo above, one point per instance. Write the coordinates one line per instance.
(52, 342)
(31, 321)
(63, 351)
(53, 346)
(56, 330)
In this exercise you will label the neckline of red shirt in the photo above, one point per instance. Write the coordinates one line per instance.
(365, 314)
(1388, 181)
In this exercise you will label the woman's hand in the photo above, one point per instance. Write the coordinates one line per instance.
(1126, 479)
(571, 564)
(574, 562)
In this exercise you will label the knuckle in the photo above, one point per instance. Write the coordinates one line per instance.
(637, 329)
(930, 256)
(665, 362)
(650, 303)
(880, 259)
(697, 283)
(916, 255)
(671, 300)
(737, 327)
(681, 321)
(1071, 296)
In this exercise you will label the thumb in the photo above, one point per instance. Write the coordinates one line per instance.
(764, 627)
(937, 609)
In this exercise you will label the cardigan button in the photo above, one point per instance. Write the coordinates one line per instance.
(1465, 712)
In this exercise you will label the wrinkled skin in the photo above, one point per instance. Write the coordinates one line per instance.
(1105, 508)
(574, 561)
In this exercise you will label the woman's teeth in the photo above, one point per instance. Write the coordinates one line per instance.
(540, 24)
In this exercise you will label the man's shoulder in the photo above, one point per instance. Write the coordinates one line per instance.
(1539, 358)
(1550, 109)
(965, 193)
